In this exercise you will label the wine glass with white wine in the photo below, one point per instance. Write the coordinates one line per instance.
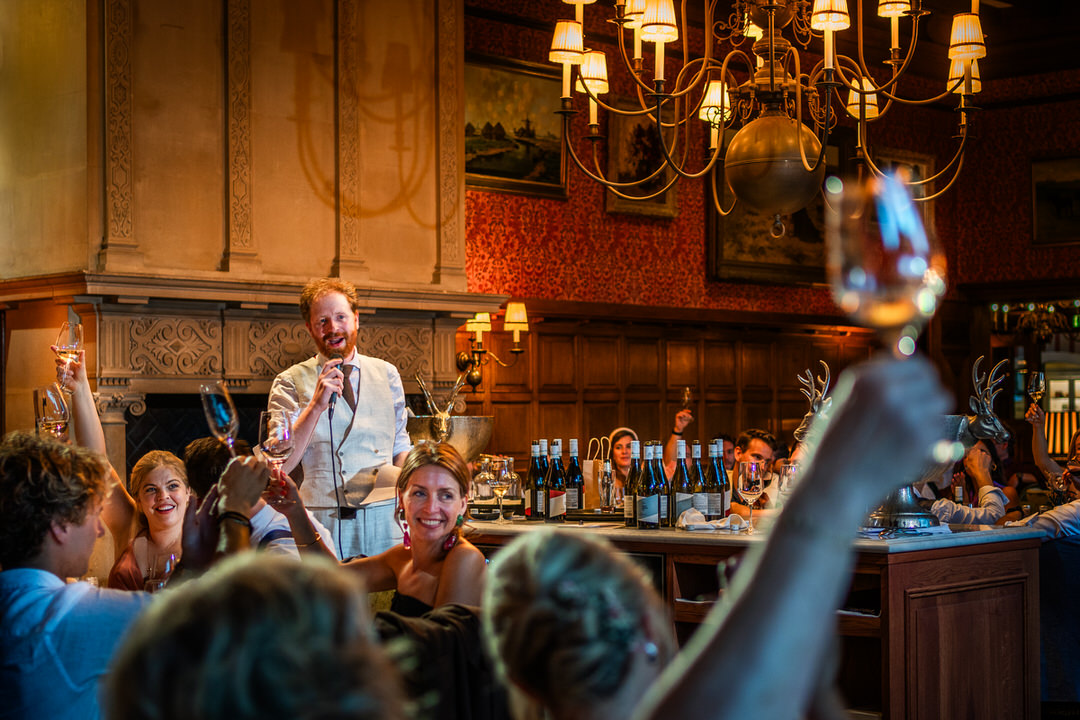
(750, 484)
(275, 436)
(220, 413)
(1036, 386)
(69, 342)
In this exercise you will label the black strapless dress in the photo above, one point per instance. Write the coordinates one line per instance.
(408, 606)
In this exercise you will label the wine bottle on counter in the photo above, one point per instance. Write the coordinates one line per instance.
(630, 485)
(649, 493)
(663, 486)
(555, 485)
(607, 480)
(716, 502)
(700, 500)
(544, 458)
(697, 471)
(534, 486)
(575, 480)
(681, 494)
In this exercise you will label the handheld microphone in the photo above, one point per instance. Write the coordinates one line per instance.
(333, 395)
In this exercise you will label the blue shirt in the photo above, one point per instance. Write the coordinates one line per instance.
(56, 641)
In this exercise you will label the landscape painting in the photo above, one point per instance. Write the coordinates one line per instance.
(513, 137)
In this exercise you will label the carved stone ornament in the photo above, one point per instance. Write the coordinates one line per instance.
(409, 348)
(276, 345)
(107, 403)
(176, 346)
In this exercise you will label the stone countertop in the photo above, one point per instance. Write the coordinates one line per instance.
(961, 535)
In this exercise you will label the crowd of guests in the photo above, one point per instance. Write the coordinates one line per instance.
(262, 618)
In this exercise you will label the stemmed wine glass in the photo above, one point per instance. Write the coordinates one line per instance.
(1036, 386)
(275, 436)
(51, 413)
(220, 413)
(500, 482)
(68, 344)
(750, 483)
(161, 568)
(885, 270)
(789, 474)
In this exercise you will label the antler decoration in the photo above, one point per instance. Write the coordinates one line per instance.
(815, 394)
(984, 424)
(986, 389)
(441, 421)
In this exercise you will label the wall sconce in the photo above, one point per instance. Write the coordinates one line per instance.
(516, 320)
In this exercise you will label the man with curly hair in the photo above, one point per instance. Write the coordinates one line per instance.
(56, 638)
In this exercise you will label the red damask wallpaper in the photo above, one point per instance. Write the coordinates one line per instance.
(572, 249)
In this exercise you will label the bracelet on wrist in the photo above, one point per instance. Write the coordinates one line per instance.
(676, 432)
(236, 517)
(318, 537)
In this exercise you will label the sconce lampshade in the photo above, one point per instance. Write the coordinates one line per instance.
(871, 100)
(658, 24)
(481, 322)
(579, 2)
(516, 320)
(830, 15)
(567, 45)
(594, 77)
(956, 74)
(966, 41)
(716, 105)
(893, 8)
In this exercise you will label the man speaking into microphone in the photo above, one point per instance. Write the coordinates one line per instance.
(349, 418)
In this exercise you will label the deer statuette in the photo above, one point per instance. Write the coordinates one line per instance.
(815, 391)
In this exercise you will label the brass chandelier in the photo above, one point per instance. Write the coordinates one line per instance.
(775, 163)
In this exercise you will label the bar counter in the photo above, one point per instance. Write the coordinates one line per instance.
(935, 626)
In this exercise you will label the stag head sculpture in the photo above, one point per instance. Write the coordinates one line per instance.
(441, 419)
(984, 424)
(815, 394)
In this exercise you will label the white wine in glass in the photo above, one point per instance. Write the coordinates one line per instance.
(220, 413)
(884, 267)
(750, 482)
(1037, 386)
(68, 344)
(275, 436)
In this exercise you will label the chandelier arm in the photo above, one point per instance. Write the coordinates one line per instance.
(629, 68)
(938, 194)
(897, 74)
(599, 175)
(716, 198)
(799, 123)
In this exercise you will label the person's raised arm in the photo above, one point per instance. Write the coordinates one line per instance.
(777, 617)
(1039, 447)
(283, 496)
(284, 396)
(682, 418)
(118, 512)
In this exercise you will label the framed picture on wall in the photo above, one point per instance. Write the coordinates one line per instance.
(1055, 189)
(741, 246)
(513, 138)
(634, 153)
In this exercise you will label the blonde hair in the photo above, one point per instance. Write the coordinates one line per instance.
(256, 637)
(147, 464)
(562, 614)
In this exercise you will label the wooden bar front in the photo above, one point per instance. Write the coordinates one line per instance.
(938, 627)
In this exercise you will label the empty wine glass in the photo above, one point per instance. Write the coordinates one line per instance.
(220, 413)
(275, 436)
(789, 475)
(750, 483)
(1036, 386)
(51, 413)
(161, 568)
(68, 344)
(885, 270)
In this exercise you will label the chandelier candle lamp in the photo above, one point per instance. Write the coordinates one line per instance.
(783, 112)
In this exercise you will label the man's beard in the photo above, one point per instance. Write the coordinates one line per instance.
(343, 350)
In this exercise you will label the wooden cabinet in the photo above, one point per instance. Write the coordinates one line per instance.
(944, 632)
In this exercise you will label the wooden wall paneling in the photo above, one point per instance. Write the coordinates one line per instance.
(830, 353)
(559, 420)
(512, 430)
(642, 362)
(600, 357)
(756, 369)
(757, 414)
(517, 377)
(719, 365)
(557, 363)
(600, 420)
(683, 365)
(851, 353)
(720, 417)
(792, 359)
(644, 418)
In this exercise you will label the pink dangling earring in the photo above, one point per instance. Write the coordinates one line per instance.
(406, 540)
(450, 542)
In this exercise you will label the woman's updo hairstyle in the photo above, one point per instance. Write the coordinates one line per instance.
(562, 614)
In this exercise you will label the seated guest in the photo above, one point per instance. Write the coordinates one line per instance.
(1040, 448)
(161, 492)
(753, 445)
(434, 565)
(206, 459)
(619, 441)
(256, 637)
(727, 448)
(977, 478)
(57, 638)
(578, 629)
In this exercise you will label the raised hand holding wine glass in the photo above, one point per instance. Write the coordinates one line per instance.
(68, 344)
(1036, 386)
(220, 413)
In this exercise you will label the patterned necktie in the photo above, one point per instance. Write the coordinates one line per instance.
(347, 391)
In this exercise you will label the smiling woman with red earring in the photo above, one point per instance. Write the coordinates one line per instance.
(434, 565)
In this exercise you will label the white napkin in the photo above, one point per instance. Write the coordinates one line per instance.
(692, 519)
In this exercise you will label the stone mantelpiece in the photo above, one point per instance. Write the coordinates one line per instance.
(147, 334)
